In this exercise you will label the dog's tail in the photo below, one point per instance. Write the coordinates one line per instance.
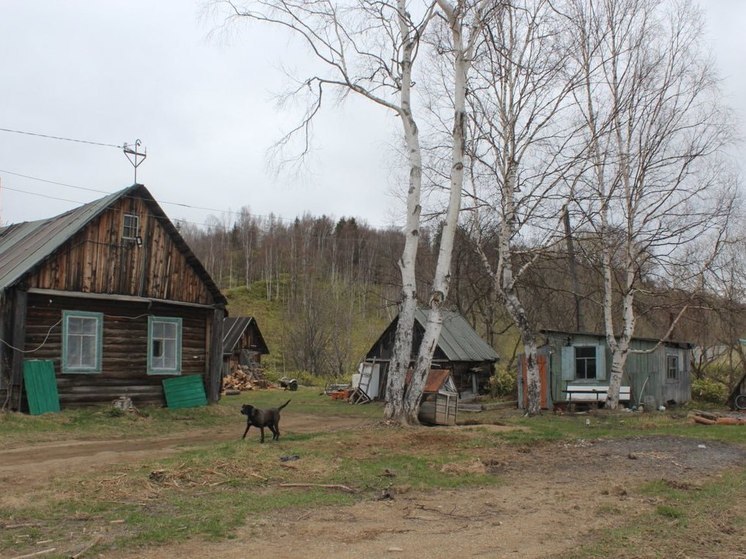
(283, 405)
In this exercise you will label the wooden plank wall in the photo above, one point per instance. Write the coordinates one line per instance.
(99, 260)
(124, 357)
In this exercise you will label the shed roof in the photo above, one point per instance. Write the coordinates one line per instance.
(24, 246)
(234, 327)
(458, 340)
(669, 343)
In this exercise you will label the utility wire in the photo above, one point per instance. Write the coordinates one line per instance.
(60, 138)
(220, 211)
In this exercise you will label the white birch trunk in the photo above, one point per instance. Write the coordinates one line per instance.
(442, 280)
(395, 409)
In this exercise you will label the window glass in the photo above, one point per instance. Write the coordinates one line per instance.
(585, 362)
(81, 342)
(164, 345)
(131, 226)
(672, 367)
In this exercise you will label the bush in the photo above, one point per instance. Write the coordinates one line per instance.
(503, 383)
(709, 390)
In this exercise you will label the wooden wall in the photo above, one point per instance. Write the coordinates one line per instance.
(99, 260)
(124, 353)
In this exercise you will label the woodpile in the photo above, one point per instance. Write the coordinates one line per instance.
(708, 418)
(245, 378)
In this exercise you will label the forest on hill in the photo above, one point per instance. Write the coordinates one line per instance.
(323, 290)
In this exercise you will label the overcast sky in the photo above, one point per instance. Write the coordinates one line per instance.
(204, 108)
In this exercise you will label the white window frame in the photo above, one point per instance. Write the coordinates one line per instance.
(160, 344)
(130, 230)
(77, 340)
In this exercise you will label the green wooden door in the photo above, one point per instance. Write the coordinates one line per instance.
(41, 386)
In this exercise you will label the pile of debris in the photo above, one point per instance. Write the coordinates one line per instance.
(245, 378)
(708, 418)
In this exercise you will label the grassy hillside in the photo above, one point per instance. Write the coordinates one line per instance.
(275, 321)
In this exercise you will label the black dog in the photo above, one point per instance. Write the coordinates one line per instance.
(263, 418)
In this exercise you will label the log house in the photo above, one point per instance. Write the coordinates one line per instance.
(113, 296)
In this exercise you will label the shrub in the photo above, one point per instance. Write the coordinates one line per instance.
(709, 390)
(503, 383)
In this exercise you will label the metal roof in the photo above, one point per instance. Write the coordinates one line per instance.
(24, 246)
(458, 340)
(233, 329)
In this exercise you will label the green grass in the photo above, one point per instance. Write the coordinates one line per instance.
(210, 492)
(684, 522)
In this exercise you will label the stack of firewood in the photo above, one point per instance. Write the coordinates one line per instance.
(708, 418)
(245, 378)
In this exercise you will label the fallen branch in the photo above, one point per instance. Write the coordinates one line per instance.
(42, 552)
(321, 485)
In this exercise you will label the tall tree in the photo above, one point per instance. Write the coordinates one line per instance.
(652, 122)
(518, 95)
(465, 21)
(368, 48)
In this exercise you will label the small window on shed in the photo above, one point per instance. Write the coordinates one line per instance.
(131, 226)
(672, 367)
(585, 362)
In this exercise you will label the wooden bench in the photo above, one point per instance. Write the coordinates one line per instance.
(589, 393)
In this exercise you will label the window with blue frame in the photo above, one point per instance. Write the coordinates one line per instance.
(82, 336)
(164, 345)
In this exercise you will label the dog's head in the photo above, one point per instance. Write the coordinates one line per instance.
(246, 409)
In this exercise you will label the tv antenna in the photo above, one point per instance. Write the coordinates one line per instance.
(135, 156)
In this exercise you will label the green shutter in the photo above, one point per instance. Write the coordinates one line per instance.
(568, 363)
(41, 386)
(601, 362)
(185, 392)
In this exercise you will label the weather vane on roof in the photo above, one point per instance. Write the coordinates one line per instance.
(134, 155)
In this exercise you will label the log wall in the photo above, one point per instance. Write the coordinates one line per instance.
(124, 351)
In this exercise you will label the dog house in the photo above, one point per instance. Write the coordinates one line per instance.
(439, 399)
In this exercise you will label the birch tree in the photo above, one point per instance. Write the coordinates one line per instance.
(518, 95)
(652, 122)
(465, 21)
(367, 48)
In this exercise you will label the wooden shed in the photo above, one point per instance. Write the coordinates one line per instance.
(460, 350)
(439, 399)
(243, 343)
(111, 294)
(576, 365)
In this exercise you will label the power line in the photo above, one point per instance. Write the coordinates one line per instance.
(180, 204)
(52, 182)
(60, 138)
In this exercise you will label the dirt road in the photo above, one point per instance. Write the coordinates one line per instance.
(553, 496)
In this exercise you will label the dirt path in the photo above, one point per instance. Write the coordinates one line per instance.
(552, 497)
(39, 462)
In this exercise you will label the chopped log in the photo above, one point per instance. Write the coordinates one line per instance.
(730, 421)
(704, 420)
(706, 414)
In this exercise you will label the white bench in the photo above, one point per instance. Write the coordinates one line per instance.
(582, 393)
